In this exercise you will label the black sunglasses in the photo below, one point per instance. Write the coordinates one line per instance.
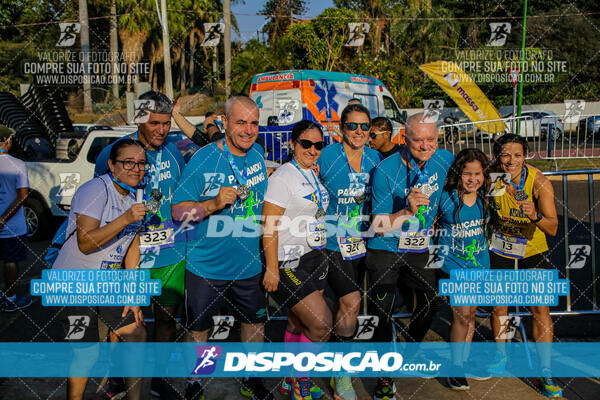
(307, 144)
(373, 135)
(352, 126)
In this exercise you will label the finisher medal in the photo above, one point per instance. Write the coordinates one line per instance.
(521, 195)
(320, 213)
(243, 192)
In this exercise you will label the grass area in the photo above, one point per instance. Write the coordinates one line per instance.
(566, 164)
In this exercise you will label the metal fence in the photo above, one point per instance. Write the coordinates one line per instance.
(549, 136)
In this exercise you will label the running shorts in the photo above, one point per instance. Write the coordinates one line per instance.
(297, 283)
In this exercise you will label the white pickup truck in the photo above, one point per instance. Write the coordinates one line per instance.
(53, 183)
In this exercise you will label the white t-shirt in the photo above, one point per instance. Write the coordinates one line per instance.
(289, 189)
(13, 176)
(99, 199)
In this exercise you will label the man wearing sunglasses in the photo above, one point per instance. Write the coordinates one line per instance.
(162, 253)
(380, 137)
(345, 170)
(406, 190)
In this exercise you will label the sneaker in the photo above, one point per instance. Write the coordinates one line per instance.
(16, 304)
(498, 364)
(385, 390)
(113, 389)
(161, 388)
(286, 389)
(194, 391)
(477, 376)
(548, 387)
(253, 388)
(458, 383)
(301, 389)
(342, 388)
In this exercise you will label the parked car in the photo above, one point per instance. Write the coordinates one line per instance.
(87, 128)
(590, 125)
(542, 123)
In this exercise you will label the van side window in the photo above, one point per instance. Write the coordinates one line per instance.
(391, 111)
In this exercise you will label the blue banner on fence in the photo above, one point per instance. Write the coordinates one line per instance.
(225, 359)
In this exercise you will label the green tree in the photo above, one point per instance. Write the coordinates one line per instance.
(281, 12)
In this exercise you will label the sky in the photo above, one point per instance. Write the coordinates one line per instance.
(250, 24)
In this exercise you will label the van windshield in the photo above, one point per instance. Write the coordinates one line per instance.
(391, 110)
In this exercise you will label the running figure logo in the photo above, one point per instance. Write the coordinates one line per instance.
(77, 326)
(213, 182)
(433, 110)
(214, 32)
(500, 31)
(471, 250)
(222, 326)
(573, 111)
(68, 183)
(206, 362)
(579, 254)
(358, 33)
(499, 180)
(366, 327)
(248, 204)
(508, 326)
(68, 34)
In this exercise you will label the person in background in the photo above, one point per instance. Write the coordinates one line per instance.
(380, 137)
(103, 233)
(14, 188)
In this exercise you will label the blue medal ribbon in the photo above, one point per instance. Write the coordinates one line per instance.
(123, 185)
(522, 182)
(240, 177)
(422, 174)
(316, 187)
(362, 160)
(154, 177)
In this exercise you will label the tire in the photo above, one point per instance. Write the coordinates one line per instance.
(36, 219)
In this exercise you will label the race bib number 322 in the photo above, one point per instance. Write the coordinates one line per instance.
(414, 242)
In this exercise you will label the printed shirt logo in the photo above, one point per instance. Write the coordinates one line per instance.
(207, 359)
(326, 93)
(68, 183)
(77, 326)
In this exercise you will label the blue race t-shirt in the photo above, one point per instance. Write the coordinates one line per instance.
(392, 182)
(464, 237)
(226, 245)
(343, 183)
(13, 176)
(169, 172)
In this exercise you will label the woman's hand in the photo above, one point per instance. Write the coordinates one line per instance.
(271, 279)
(136, 213)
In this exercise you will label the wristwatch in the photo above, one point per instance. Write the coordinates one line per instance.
(538, 219)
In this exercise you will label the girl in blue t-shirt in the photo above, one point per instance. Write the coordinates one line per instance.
(462, 237)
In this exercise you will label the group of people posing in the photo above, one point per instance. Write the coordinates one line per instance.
(361, 212)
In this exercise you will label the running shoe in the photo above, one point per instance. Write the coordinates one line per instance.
(458, 383)
(16, 304)
(286, 389)
(548, 386)
(385, 390)
(194, 391)
(253, 388)
(498, 364)
(113, 389)
(301, 389)
(161, 388)
(342, 388)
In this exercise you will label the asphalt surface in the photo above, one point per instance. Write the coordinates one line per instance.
(38, 323)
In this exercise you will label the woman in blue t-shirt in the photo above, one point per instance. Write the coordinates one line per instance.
(461, 227)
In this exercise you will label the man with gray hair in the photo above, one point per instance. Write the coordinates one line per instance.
(406, 191)
(228, 180)
(159, 250)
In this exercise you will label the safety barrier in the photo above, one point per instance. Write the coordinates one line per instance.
(549, 136)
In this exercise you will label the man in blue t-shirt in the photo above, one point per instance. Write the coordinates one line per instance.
(227, 181)
(406, 191)
(158, 247)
